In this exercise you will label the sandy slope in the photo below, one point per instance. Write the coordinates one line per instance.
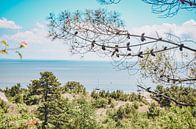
(3, 97)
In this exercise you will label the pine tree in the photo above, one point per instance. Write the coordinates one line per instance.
(33, 96)
(47, 91)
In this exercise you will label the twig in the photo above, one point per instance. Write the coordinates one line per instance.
(165, 96)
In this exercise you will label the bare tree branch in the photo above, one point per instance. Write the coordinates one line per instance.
(164, 8)
(165, 96)
(104, 32)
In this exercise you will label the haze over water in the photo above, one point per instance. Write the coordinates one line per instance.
(92, 74)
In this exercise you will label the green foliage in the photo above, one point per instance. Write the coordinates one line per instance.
(44, 107)
(56, 112)
(19, 118)
(3, 106)
(118, 118)
(5, 48)
(103, 98)
(177, 117)
(11, 121)
(76, 114)
(124, 112)
(136, 105)
(36, 90)
(15, 93)
(100, 102)
(127, 117)
(153, 111)
(49, 94)
(193, 111)
(117, 95)
(74, 87)
(5, 45)
(14, 90)
(179, 93)
(84, 116)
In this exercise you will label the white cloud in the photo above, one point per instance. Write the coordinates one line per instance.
(187, 30)
(40, 46)
(38, 34)
(7, 24)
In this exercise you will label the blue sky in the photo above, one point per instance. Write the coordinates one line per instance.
(31, 15)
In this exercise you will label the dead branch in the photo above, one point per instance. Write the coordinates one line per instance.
(104, 32)
(165, 96)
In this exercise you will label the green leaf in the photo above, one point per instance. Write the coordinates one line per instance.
(20, 55)
(4, 42)
(4, 51)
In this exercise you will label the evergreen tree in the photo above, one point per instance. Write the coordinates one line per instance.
(74, 87)
(14, 90)
(34, 93)
(47, 91)
(15, 93)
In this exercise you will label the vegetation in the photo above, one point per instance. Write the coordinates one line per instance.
(5, 47)
(156, 56)
(46, 104)
(164, 8)
(103, 98)
(117, 95)
(43, 105)
(74, 87)
(179, 93)
(128, 117)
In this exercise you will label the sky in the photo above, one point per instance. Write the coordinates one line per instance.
(27, 20)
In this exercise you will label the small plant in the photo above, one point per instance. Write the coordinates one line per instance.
(100, 102)
(153, 111)
(3, 106)
(135, 105)
(74, 87)
(193, 111)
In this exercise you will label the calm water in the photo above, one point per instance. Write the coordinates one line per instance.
(91, 74)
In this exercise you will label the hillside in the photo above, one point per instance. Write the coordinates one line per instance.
(47, 104)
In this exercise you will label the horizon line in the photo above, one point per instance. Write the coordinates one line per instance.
(26, 59)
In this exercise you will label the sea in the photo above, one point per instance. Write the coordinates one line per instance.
(101, 75)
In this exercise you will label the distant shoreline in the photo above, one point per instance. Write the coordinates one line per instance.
(92, 74)
(7, 59)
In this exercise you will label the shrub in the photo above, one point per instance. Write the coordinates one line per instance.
(179, 93)
(74, 87)
(3, 106)
(135, 105)
(15, 93)
(193, 111)
(100, 102)
(153, 111)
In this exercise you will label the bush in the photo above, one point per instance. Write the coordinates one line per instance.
(179, 93)
(193, 111)
(3, 106)
(177, 118)
(74, 87)
(118, 118)
(84, 117)
(153, 111)
(117, 95)
(135, 105)
(100, 102)
(15, 93)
